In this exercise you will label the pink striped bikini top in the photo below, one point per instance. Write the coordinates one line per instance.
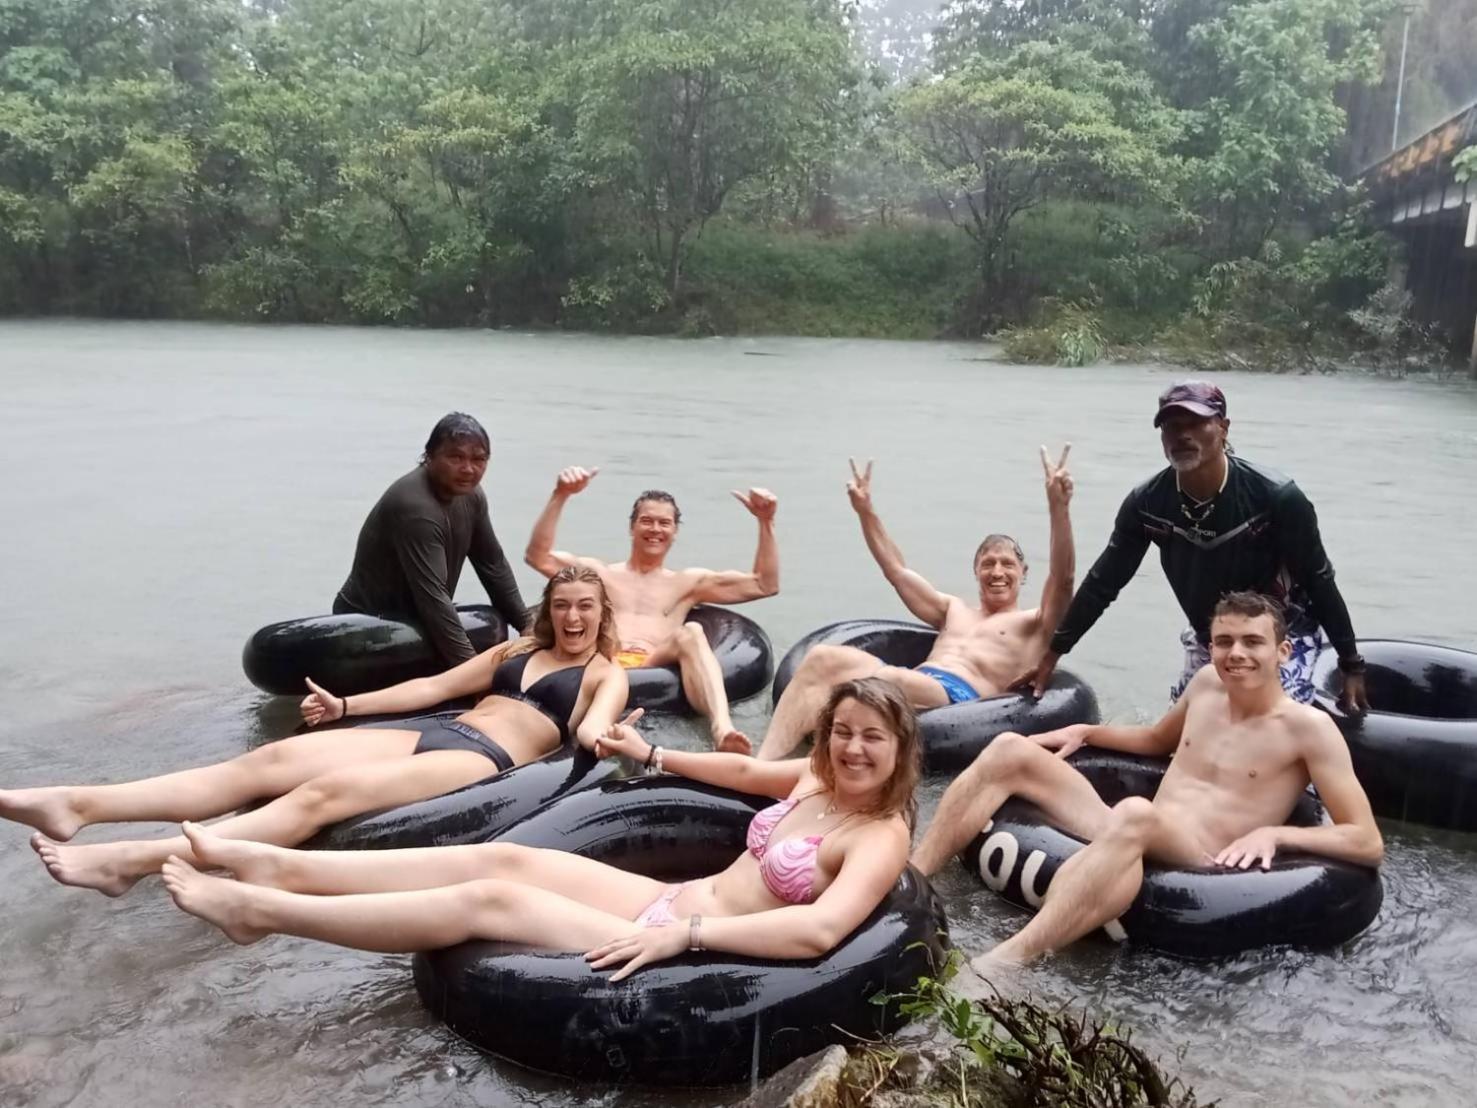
(788, 868)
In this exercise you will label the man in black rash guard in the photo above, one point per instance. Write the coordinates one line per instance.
(1222, 524)
(412, 546)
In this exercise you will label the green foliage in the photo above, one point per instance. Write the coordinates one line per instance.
(693, 165)
(895, 282)
(1054, 1058)
(1000, 136)
(1465, 164)
(693, 98)
(1070, 335)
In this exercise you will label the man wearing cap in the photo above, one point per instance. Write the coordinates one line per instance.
(1222, 524)
(412, 545)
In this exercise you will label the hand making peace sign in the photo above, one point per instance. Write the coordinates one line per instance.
(1058, 480)
(859, 488)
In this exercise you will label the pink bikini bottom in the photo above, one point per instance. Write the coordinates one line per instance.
(659, 912)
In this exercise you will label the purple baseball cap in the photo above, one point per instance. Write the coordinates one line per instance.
(1200, 398)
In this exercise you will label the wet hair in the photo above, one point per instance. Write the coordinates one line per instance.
(456, 427)
(542, 617)
(660, 496)
(887, 700)
(1251, 605)
(1000, 540)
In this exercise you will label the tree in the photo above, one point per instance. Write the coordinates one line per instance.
(999, 136)
(677, 102)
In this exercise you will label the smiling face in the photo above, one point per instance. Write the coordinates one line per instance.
(574, 609)
(999, 571)
(456, 467)
(1247, 651)
(1190, 441)
(862, 748)
(654, 528)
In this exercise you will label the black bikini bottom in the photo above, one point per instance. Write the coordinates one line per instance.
(452, 734)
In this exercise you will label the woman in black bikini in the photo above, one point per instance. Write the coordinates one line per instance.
(540, 690)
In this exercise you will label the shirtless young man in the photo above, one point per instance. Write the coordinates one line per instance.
(1244, 752)
(980, 647)
(651, 602)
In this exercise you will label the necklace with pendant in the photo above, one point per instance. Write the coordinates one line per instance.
(829, 809)
(1196, 512)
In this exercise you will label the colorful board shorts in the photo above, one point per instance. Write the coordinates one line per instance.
(631, 659)
(957, 688)
(1297, 671)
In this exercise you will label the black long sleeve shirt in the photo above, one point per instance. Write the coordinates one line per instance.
(410, 554)
(1261, 534)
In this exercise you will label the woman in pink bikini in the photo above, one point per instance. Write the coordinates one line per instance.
(817, 864)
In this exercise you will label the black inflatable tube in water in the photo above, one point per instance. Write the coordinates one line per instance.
(352, 653)
(474, 813)
(1302, 900)
(1415, 751)
(952, 736)
(743, 652)
(699, 1019)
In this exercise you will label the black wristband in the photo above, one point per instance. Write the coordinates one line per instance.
(343, 702)
(1353, 665)
(650, 754)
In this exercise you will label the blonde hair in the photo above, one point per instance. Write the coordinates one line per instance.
(542, 637)
(887, 700)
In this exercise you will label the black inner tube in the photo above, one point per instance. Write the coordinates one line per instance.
(1210, 912)
(699, 1019)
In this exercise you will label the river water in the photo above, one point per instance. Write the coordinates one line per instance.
(168, 488)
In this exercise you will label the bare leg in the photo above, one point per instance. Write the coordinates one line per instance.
(113, 868)
(1098, 883)
(800, 706)
(206, 791)
(1011, 765)
(337, 872)
(396, 922)
(702, 681)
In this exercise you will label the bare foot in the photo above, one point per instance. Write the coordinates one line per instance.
(999, 975)
(99, 867)
(251, 862)
(51, 811)
(216, 900)
(733, 741)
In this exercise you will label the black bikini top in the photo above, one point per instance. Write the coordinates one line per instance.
(554, 694)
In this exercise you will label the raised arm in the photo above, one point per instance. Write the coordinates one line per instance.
(730, 771)
(921, 598)
(540, 553)
(468, 679)
(874, 860)
(1113, 569)
(735, 586)
(1353, 836)
(1056, 595)
(492, 569)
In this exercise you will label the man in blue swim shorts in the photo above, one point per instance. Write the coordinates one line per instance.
(981, 647)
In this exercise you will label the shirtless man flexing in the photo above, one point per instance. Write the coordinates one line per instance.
(979, 648)
(1244, 752)
(651, 602)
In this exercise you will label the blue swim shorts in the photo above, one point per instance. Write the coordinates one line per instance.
(957, 688)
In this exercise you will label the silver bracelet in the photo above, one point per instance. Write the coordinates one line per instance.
(695, 932)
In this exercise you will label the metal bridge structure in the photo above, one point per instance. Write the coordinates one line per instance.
(1418, 198)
